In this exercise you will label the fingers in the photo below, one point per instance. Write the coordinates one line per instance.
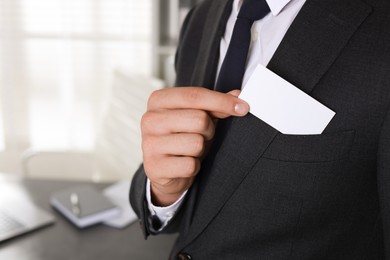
(170, 176)
(177, 129)
(191, 145)
(219, 105)
(163, 122)
(166, 168)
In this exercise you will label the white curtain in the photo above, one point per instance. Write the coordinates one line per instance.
(57, 59)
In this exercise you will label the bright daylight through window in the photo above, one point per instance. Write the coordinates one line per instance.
(57, 61)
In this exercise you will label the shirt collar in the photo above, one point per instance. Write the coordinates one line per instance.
(275, 6)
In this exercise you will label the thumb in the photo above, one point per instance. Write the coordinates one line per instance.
(241, 107)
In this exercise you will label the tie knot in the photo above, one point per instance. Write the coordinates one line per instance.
(253, 10)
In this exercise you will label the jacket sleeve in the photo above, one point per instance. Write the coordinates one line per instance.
(383, 171)
(139, 204)
(138, 201)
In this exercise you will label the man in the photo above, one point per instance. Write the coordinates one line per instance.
(244, 190)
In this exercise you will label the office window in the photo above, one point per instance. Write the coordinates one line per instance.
(2, 144)
(57, 59)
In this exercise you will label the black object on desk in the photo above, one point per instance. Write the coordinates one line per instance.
(63, 241)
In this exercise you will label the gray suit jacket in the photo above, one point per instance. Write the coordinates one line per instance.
(273, 196)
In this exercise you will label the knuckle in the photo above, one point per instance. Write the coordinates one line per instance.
(149, 167)
(154, 168)
(193, 95)
(147, 145)
(198, 145)
(154, 97)
(211, 133)
(201, 120)
(191, 167)
(147, 121)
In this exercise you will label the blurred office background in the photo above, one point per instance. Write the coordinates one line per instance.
(74, 79)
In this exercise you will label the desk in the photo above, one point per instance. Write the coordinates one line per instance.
(63, 241)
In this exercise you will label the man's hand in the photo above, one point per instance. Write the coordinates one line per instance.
(176, 128)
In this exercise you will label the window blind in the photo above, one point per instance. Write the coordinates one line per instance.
(57, 59)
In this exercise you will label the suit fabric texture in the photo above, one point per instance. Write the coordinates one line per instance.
(269, 195)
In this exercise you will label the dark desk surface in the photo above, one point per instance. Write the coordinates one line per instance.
(64, 241)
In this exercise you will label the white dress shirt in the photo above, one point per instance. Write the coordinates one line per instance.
(267, 34)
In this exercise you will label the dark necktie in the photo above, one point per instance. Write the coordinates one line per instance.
(233, 69)
(233, 66)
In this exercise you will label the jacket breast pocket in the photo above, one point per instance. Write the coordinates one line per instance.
(325, 147)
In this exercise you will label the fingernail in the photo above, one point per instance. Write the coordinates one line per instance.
(241, 109)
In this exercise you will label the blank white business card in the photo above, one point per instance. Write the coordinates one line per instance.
(283, 106)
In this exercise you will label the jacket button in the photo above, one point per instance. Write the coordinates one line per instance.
(184, 256)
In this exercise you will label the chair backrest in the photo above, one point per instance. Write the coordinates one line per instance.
(117, 152)
(66, 165)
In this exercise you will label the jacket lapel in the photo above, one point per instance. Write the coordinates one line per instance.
(207, 60)
(313, 42)
(315, 39)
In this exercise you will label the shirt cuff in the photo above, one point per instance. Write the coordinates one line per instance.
(162, 214)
